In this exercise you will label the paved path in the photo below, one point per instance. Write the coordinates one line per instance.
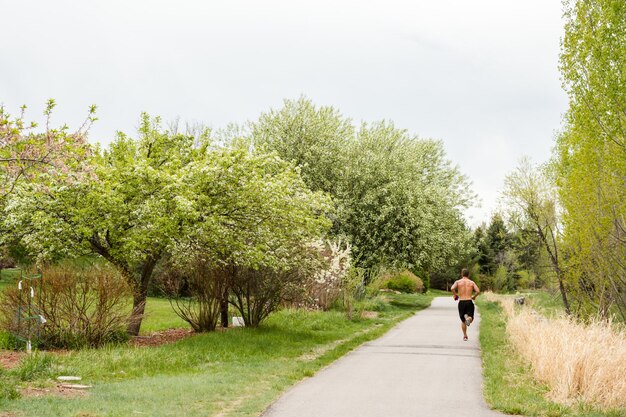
(420, 368)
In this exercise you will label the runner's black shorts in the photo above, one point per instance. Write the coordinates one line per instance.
(466, 307)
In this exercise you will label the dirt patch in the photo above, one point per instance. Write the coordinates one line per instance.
(54, 390)
(10, 359)
(161, 338)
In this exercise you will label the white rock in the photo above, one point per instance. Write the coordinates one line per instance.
(69, 378)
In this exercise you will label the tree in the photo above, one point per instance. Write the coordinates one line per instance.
(590, 156)
(128, 214)
(532, 205)
(399, 200)
(315, 138)
(498, 239)
(26, 155)
(251, 218)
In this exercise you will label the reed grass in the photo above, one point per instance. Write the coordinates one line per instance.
(580, 362)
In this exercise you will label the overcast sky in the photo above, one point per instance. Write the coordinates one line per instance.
(480, 75)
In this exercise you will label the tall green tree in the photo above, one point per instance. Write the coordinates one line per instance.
(590, 155)
(399, 200)
(313, 137)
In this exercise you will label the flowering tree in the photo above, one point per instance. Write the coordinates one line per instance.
(128, 213)
(170, 193)
(52, 154)
(249, 218)
(399, 200)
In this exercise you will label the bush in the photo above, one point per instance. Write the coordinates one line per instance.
(322, 290)
(258, 292)
(206, 285)
(374, 304)
(484, 282)
(406, 282)
(500, 280)
(82, 307)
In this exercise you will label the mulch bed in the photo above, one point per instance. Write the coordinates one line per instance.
(161, 338)
(55, 390)
(10, 359)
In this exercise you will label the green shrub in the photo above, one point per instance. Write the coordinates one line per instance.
(500, 280)
(484, 282)
(406, 282)
(7, 340)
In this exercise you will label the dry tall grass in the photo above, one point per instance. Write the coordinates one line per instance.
(578, 361)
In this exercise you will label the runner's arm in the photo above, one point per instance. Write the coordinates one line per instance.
(453, 288)
(475, 289)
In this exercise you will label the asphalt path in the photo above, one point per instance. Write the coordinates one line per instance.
(420, 368)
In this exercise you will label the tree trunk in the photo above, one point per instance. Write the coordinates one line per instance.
(563, 294)
(554, 258)
(136, 315)
(224, 310)
(139, 297)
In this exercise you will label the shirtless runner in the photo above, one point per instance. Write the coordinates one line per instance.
(463, 289)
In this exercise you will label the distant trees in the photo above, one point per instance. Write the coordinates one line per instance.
(398, 199)
(571, 213)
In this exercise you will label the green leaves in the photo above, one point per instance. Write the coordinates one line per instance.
(398, 199)
(590, 156)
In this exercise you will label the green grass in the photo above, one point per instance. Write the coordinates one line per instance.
(160, 316)
(237, 372)
(8, 277)
(549, 303)
(508, 382)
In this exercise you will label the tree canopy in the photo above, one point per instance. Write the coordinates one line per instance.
(399, 200)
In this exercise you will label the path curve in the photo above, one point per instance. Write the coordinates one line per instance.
(420, 368)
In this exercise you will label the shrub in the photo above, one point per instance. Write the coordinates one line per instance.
(321, 290)
(374, 304)
(485, 282)
(256, 292)
(526, 279)
(406, 282)
(500, 280)
(206, 285)
(82, 307)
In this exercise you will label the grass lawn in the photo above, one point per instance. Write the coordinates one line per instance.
(508, 383)
(160, 316)
(237, 372)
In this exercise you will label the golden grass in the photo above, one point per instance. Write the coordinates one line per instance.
(583, 362)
